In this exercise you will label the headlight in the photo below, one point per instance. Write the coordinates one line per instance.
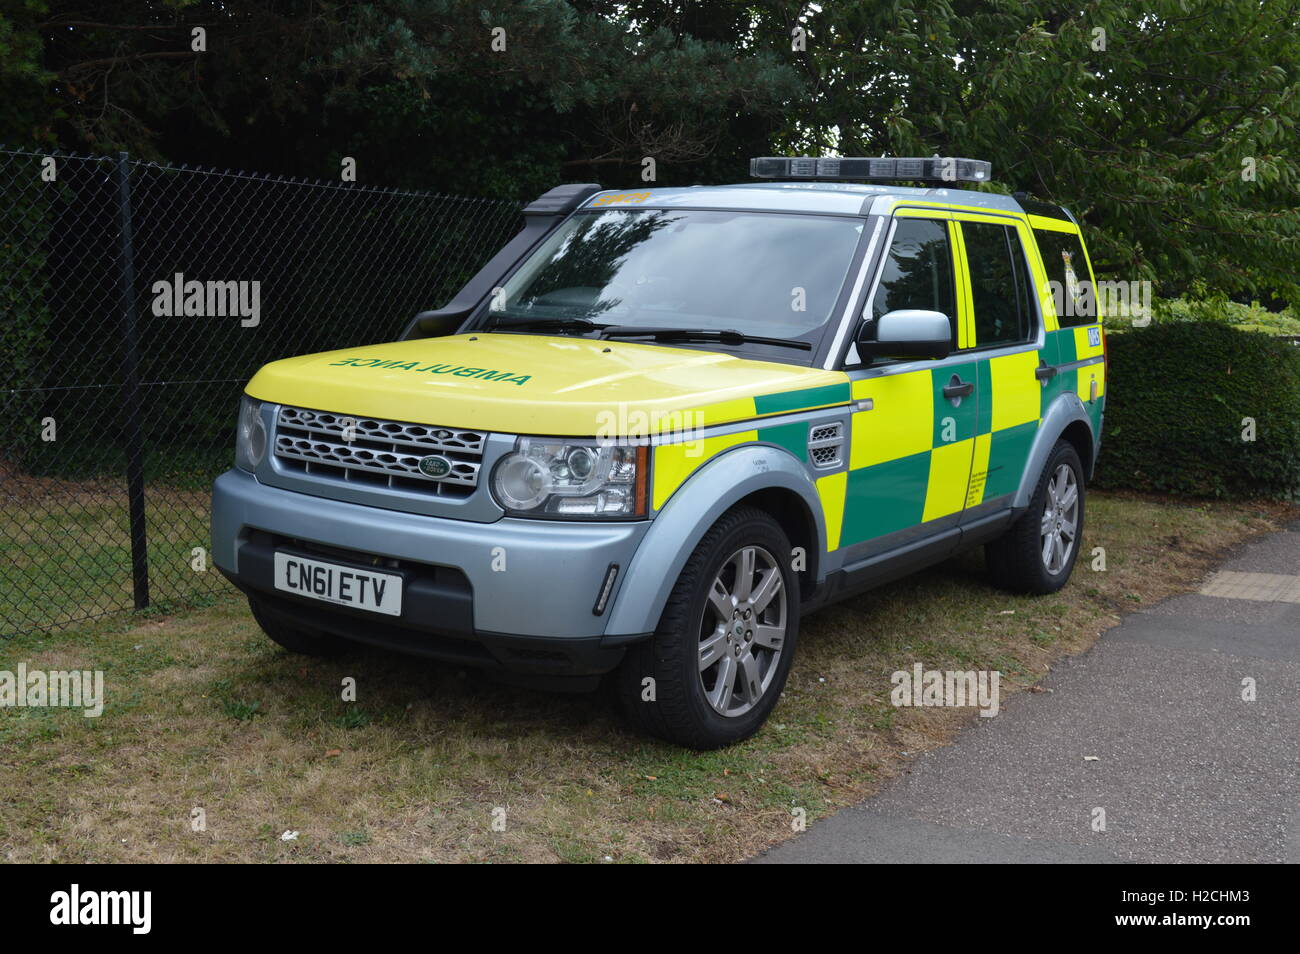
(250, 439)
(561, 477)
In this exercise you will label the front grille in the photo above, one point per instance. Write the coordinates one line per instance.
(824, 444)
(374, 452)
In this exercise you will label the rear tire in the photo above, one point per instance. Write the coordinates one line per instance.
(1037, 552)
(720, 656)
(305, 642)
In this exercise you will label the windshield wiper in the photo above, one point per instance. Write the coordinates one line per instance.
(583, 324)
(726, 336)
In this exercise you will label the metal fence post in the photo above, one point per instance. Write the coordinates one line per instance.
(131, 388)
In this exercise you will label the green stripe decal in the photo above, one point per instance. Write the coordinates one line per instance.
(885, 498)
(802, 399)
(1008, 451)
(1095, 411)
(959, 421)
(1064, 380)
(793, 437)
(1048, 387)
(1065, 346)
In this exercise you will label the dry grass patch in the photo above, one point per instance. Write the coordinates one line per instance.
(205, 712)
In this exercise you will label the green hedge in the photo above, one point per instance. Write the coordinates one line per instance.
(1177, 397)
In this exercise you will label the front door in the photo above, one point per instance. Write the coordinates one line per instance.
(914, 421)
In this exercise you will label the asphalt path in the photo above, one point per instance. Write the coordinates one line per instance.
(1149, 725)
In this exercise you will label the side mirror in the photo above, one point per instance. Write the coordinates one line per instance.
(907, 333)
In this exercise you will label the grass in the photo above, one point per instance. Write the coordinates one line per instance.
(435, 764)
(65, 549)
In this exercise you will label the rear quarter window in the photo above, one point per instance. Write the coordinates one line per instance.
(1068, 277)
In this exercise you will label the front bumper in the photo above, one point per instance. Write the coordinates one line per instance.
(516, 594)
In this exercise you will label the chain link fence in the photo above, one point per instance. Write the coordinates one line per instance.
(119, 387)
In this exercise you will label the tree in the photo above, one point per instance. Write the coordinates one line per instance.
(1167, 126)
(491, 98)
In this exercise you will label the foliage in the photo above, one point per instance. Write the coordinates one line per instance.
(1202, 409)
(1144, 129)
(24, 226)
(1167, 126)
(422, 93)
(1246, 317)
(1215, 307)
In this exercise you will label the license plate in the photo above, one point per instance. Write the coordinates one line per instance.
(344, 585)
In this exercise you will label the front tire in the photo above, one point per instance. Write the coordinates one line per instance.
(1038, 551)
(718, 661)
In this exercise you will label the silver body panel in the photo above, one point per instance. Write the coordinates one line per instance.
(529, 577)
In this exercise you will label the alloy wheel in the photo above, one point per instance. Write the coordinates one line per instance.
(1058, 532)
(742, 631)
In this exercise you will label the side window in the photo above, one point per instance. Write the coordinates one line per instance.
(1067, 273)
(1024, 281)
(998, 284)
(918, 272)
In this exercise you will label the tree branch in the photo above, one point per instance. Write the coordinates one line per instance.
(91, 25)
(112, 61)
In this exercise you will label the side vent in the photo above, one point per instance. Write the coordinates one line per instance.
(825, 442)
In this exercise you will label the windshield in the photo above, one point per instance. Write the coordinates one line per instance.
(759, 273)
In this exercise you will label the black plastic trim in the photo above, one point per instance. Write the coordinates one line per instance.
(541, 216)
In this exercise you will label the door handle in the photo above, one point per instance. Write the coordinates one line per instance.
(957, 388)
(1044, 371)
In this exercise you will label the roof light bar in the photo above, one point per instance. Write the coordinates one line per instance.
(932, 169)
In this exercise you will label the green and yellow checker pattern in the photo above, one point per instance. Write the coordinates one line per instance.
(913, 457)
(916, 458)
(675, 462)
(1077, 344)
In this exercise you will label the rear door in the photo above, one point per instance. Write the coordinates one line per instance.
(1003, 308)
(1077, 306)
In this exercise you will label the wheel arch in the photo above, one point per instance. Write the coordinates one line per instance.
(1066, 418)
(763, 475)
(1079, 434)
(796, 518)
